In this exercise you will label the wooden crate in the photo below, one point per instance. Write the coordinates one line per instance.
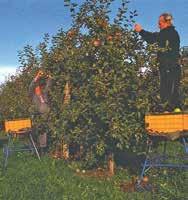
(185, 121)
(166, 123)
(17, 125)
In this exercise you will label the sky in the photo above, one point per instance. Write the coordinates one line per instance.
(25, 22)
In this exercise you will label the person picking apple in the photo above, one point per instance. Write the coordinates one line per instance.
(38, 91)
(168, 58)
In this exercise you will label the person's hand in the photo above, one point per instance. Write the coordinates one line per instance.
(137, 27)
(39, 75)
(49, 76)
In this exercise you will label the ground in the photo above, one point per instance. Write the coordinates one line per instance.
(26, 178)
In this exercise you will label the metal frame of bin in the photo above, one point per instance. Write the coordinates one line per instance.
(18, 128)
(165, 127)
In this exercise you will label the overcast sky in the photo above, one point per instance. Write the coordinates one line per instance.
(25, 22)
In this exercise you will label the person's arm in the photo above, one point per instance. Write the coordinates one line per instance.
(149, 37)
(146, 35)
(48, 85)
(174, 45)
(33, 84)
(32, 88)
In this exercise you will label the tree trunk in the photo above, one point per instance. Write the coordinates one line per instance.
(65, 151)
(66, 101)
(111, 164)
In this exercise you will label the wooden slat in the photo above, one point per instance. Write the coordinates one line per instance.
(17, 125)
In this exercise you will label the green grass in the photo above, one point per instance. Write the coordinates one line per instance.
(28, 179)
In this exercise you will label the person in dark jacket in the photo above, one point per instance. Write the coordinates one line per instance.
(168, 41)
(38, 91)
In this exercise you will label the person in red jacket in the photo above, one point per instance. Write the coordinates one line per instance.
(38, 91)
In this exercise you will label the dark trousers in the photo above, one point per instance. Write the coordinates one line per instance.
(169, 85)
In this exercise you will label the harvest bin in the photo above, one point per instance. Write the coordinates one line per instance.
(167, 127)
(16, 125)
(166, 123)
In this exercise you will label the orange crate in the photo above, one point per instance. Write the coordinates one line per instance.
(185, 121)
(166, 123)
(17, 125)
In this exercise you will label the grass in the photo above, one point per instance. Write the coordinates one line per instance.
(28, 179)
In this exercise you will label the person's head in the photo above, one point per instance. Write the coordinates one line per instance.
(165, 20)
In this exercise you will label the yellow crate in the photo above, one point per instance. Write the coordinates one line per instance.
(185, 121)
(17, 125)
(166, 123)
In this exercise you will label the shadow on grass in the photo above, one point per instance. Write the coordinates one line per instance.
(130, 161)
